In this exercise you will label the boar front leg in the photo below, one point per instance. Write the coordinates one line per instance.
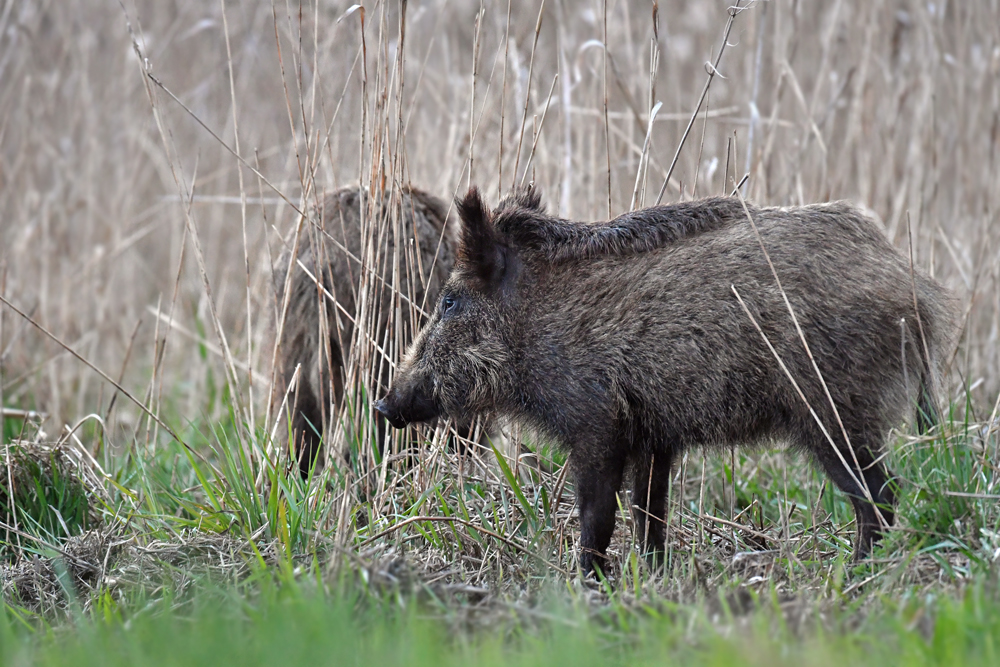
(597, 470)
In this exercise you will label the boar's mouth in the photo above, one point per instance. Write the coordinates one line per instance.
(394, 418)
(400, 410)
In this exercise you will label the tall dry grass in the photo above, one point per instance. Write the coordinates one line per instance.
(147, 191)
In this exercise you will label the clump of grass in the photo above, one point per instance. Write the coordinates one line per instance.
(44, 493)
(949, 504)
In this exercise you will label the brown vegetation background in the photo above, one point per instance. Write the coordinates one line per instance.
(105, 178)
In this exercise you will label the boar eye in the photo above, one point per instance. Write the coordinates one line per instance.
(448, 305)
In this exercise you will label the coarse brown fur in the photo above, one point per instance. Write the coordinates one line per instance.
(624, 342)
(316, 332)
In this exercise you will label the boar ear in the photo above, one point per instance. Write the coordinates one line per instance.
(482, 252)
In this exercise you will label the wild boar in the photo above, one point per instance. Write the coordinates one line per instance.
(317, 335)
(625, 343)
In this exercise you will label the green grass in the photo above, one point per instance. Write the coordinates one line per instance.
(291, 622)
(450, 559)
(42, 494)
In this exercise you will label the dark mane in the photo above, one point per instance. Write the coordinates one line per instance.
(524, 197)
(529, 229)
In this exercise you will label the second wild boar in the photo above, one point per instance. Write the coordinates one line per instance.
(326, 278)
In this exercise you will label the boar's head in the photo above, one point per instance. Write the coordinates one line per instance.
(461, 364)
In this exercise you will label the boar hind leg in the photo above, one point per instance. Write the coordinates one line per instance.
(872, 517)
(598, 476)
(650, 487)
(880, 515)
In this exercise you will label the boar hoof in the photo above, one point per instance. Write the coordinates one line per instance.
(593, 563)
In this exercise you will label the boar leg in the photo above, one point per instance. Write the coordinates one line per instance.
(651, 483)
(598, 474)
(307, 426)
(875, 476)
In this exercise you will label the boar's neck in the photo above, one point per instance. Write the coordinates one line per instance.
(563, 369)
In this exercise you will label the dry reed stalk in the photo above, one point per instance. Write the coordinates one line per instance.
(105, 376)
(243, 217)
(712, 69)
(527, 94)
(604, 84)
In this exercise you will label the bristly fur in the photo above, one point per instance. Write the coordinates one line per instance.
(527, 197)
(636, 349)
(522, 221)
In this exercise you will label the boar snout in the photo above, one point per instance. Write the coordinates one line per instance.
(402, 406)
(389, 412)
